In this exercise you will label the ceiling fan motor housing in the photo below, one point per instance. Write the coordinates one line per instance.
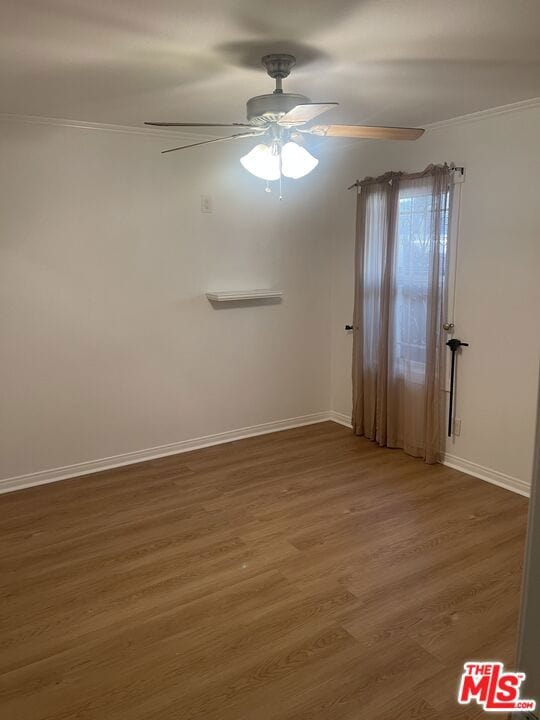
(278, 65)
(262, 109)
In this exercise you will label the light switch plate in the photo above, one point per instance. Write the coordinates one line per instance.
(206, 203)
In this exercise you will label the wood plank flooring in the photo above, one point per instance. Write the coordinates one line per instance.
(303, 575)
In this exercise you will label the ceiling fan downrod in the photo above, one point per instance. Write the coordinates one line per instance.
(278, 66)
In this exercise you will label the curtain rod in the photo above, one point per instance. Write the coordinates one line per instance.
(453, 168)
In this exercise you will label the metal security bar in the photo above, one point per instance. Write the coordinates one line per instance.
(454, 344)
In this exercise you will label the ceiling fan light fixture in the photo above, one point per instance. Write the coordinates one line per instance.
(296, 161)
(262, 162)
(281, 117)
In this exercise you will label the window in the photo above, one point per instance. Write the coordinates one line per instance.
(416, 224)
(405, 259)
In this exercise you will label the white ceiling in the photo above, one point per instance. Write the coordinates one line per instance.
(386, 61)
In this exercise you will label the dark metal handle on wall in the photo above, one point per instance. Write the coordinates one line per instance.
(349, 327)
(454, 344)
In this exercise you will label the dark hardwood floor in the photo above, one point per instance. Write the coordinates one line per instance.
(306, 575)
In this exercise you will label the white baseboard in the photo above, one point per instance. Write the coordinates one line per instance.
(488, 474)
(479, 471)
(92, 466)
(340, 418)
(85, 468)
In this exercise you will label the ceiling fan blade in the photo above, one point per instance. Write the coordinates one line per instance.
(166, 124)
(371, 132)
(304, 113)
(221, 139)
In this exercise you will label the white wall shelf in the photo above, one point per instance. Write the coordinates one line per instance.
(239, 295)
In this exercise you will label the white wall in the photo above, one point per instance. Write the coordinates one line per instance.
(109, 345)
(108, 342)
(529, 622)
(498, 286)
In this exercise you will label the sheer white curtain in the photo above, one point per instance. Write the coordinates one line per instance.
(400, 297)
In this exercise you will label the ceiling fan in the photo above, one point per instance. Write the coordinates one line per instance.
(283, 119)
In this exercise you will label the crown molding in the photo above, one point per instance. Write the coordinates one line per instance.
(104, 127)
(154, 132)
(458, 120)
(461, 119)
(482, 114)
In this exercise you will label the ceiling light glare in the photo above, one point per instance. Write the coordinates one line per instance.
(296, 161)
(262, 162)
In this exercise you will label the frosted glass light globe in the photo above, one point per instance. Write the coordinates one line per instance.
(296, 161)
(262, 162)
